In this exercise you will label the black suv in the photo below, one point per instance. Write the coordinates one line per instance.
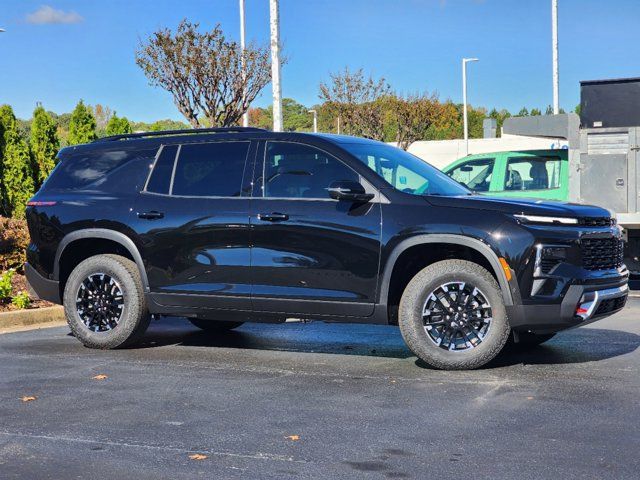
(225, 226)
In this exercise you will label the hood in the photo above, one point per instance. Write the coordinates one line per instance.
(520, 206)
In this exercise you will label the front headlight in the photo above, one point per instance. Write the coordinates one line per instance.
(546, 220)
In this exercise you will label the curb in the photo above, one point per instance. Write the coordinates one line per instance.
(36, 318)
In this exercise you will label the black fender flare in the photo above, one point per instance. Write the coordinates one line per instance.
(509, 290)
(102, 233)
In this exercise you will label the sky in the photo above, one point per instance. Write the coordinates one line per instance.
(59, 51)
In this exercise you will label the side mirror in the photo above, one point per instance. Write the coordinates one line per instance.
(349, 191)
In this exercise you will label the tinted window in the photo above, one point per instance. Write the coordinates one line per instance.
(161, 176)
(210, 169)
(292, 170)
(404, 171)
(474, 174)
(532, 173)
(101, 170)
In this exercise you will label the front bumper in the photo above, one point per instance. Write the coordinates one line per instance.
(581, 304)
(41, 287)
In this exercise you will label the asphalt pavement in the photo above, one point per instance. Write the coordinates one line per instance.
(317, 401)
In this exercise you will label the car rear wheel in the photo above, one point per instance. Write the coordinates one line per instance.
(452, 315)
(214, 325)
(104, 302)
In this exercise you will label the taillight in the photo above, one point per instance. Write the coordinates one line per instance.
(33, 203)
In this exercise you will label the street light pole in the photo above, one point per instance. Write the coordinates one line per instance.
(315, 120)
(245, 115)
(554, 42)
(275, 65)
(464, 103)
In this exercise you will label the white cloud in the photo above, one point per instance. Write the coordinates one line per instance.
(46, 15)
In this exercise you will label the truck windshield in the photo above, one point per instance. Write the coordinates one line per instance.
(404, 171)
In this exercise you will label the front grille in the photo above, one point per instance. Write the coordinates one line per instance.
(546, 264)
(596, 221)
(611, 305)
(601, 253)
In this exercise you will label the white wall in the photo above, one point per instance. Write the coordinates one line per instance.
(441, 153)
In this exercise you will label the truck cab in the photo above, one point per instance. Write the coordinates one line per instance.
(542, 174)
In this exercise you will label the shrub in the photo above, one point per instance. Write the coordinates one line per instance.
(5, 284)
(14, 239)
(21, 300)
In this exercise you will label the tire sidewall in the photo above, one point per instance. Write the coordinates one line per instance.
(131, 311)
(415, 297)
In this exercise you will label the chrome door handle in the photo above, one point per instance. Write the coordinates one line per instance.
(152, 215)
(273, 217)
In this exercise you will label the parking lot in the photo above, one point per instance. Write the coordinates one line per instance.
(317, 401)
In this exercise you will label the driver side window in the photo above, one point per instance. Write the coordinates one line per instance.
(294, 170)
(474, 174)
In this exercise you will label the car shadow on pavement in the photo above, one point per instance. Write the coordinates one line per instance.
(579, 345)
(573, 346)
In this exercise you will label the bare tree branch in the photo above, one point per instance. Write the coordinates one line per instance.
(203, 72)
(358, 101)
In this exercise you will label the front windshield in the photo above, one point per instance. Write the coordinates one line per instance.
(404, 171)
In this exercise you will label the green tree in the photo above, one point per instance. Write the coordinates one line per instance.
(500, 117)
(524, 112)
(17, 185)
(536, 112)
(82, 127)
(44, 143)
(118, 125)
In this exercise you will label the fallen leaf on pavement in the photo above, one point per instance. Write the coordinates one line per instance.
(101, 376)
(28, 399)
(293, 437)
(198, 456)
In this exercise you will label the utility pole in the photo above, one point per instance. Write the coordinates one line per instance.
(275, 65)
(315, 120)
(245, 115)
(554, 41)
(464, 103)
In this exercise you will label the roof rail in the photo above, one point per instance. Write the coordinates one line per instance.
(196, 131)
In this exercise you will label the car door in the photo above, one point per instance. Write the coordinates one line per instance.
(193, 222)
(311, 254)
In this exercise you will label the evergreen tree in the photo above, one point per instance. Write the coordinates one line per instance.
(536, 112)
(15, 166)
(82, 128)
(118, 125)
(44, 143)
(523, 112)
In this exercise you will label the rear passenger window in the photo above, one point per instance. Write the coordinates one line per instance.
(160, 179)
(532, 173)
(210, 169)
(101, 170)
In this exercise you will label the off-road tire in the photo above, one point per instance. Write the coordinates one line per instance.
(214, 325)
(135, 317)
(413, 329)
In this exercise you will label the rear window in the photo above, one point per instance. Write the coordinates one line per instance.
(112, 169)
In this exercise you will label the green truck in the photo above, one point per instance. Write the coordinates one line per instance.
(540, 174)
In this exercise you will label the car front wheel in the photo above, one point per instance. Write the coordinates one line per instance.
(452, 315)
